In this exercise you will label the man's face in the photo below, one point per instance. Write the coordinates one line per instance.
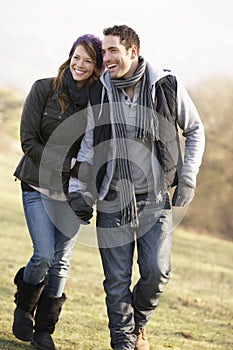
(116, 58)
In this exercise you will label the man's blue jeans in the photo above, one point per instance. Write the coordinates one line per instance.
(53, 232)
(128, 309)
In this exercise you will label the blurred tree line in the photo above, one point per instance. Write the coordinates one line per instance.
(211, 210)
(11, 103)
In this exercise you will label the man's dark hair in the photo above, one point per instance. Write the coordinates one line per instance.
(128, 37)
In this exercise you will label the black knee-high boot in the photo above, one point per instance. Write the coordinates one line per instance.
(26, 299)
(46, 317)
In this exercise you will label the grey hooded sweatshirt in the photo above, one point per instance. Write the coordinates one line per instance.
(148, 175)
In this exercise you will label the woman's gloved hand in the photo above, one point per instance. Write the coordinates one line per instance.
(81, 204)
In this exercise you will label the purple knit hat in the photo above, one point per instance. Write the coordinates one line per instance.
(97, 45)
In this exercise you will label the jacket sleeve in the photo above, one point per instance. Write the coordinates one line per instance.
(86, 152)
(30, 130)
(190, 122)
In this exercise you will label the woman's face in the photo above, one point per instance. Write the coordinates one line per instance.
(81, 65)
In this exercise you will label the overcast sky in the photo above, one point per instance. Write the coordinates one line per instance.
(192, 37)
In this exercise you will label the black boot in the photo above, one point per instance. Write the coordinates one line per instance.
(26, 299)
(47, 314)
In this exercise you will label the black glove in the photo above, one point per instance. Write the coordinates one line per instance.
(183, 194)
(81, 204)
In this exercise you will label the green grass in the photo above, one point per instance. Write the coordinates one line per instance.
(195, 312)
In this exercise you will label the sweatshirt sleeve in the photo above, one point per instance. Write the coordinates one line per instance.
(85, 153)
(190, 122)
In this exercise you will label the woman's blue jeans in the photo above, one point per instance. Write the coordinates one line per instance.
(129, 309)
(53, 229)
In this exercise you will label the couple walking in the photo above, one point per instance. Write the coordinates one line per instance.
(104, 131)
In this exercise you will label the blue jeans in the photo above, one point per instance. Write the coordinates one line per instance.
(128, 309)
(53, 230)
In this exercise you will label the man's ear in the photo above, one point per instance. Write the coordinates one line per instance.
(134, 51)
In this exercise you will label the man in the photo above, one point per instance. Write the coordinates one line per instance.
(132, 143)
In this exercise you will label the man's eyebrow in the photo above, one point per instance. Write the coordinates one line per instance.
(110, 48)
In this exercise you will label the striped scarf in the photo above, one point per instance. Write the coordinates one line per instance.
(146, 129)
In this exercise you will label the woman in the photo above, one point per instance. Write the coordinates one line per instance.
(53, 113)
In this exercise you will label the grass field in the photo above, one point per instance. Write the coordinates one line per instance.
(194, 313)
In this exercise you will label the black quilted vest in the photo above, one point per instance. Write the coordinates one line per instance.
(167, 147)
